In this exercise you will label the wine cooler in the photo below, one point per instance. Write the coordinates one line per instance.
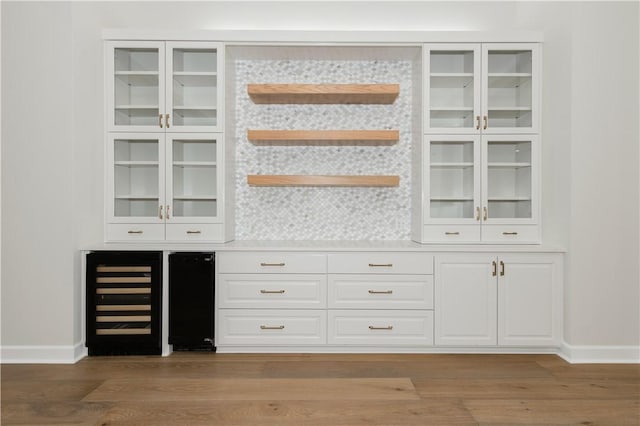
(124, 303)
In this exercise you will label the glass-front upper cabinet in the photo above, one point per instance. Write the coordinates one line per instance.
(510, 179)
(452, 88)
(192, 178)
(164, 86)
(482, 88)
(511, 82)
(481, 188)
(135, 178)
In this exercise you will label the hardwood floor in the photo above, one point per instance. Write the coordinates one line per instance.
(191, 388)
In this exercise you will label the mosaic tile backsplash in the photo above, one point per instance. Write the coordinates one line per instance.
(323, 213)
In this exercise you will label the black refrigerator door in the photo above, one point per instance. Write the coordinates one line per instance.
(191, 300)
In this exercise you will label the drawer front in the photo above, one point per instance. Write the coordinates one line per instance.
(267, 327)
(271, 263)
(381, 292)
(451, 234)
(381, 263)
(380, 327)
(272, 291)
(135, 232)
(195, 232)
(510, 233)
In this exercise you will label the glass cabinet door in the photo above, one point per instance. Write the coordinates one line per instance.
(137, 86)
(510, 181)
(452, 88)
(192, 178)
(193, 97)
(510, 79)
(136, 178)
(452, 179)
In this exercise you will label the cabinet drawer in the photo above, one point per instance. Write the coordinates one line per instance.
(272, 291)
(380, 327)
(268, 327)
(195, 232)
(451, 233)
(381, 263)
(135, 232)
(510, 233)
(381, 292)
(271, 262)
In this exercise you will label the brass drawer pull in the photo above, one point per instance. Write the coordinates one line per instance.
(271, 291)
(389, 327)
(166, 120)
(194, 232)
(501, 268)
(452, 233)
(272, 264)
(494, 272)
(381, 265)
(160, 122)
(380, 292)
(138, 231)
(509, 233)
(271, 327)
(485, 119)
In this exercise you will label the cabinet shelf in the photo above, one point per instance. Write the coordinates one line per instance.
(136, 197)
(323, 93)
(194, 163)
(136, 163)
(453, 165)
(509, 165)
(309, 136)
(322, 180)
(195, 197)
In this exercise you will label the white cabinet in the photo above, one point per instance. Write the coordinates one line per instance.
(380, 298)
(481, 188)
(507, 300)
(271, 299)
(171, 183)
(155, 86)
(487, 88)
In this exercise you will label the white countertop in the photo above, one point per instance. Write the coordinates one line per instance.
(326, 246)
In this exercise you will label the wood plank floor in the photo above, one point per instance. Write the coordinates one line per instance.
(192, 388)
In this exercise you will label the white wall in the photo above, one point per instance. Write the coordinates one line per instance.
(52, 167)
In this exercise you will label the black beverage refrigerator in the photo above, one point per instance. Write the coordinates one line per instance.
(191, 301)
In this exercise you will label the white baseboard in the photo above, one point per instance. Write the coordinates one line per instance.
(586, 354)
(58, 354)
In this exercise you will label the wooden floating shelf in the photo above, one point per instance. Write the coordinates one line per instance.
(323, 93)
(343, 137)
(322, 180)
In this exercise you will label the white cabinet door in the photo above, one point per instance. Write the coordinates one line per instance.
(529, 300)
(135, 178)
(194, 87)
(135, 86)
(193, 177)
(451, 185)
(510, 185)
(466, 300)
(511, 88)
(452, 88)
